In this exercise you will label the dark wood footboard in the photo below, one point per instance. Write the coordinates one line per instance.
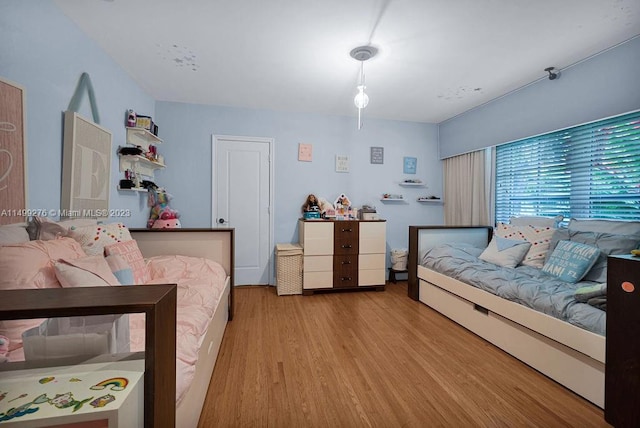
(157, 302)
(424, 237)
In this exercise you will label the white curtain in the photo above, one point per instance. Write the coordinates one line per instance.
(467, 189)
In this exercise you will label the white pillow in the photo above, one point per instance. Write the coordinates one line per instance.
(505, 252)
(539, 237)
(536, 221)
(93, 239)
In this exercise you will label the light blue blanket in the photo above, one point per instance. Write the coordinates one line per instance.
(525, 285)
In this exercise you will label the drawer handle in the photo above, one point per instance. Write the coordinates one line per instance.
(346, 278)
(346, 246)
(348, 262)
(347, 230)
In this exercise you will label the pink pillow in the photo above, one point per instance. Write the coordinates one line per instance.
(90, 271)
(29, 265)
(131, 253)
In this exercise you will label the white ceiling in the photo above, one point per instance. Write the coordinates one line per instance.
(437, 58)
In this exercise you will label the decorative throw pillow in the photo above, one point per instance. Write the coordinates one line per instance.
(93, 239)
(505, 252)
(91, 271)
(131, 253)
(121, 269)
(536, 221)
(538, 237)
(571, 261)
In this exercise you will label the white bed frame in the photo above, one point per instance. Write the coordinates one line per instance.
(572, 356)
(213, 244)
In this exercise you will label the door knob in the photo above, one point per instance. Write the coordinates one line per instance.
(221, 221)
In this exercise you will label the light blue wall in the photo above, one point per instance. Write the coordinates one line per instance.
(187, 130)
(604, 85)
(44, 52)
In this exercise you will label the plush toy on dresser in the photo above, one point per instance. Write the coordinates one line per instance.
(162, 216)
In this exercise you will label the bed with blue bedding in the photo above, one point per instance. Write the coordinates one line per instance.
(529, 311)
(525, 285)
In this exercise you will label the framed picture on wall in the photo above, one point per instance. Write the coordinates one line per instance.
(377, 155)
(342, 163)
(13, 180)
(86, 167)
(409, 166)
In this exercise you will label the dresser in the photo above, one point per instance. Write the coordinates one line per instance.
(341, 255)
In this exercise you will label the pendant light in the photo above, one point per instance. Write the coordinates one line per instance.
(362, 54)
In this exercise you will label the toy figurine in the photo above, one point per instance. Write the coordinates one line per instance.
(311, 204)
(162, 216)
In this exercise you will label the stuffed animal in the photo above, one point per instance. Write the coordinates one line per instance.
(161, 214)
(4, 348)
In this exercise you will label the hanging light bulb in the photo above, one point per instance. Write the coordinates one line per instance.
(362, 54)
(361, 100)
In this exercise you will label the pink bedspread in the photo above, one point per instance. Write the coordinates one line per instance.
(200, 287)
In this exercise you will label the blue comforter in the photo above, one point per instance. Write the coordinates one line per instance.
(525, 285)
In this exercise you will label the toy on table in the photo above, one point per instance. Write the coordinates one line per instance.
(311, 207)
(162, 216)
(342, 205)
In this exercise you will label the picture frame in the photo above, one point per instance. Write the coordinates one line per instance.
(13, 149)
(342, 163)
(377, 155)
(409, 165)
(86, 167)
(305, 152)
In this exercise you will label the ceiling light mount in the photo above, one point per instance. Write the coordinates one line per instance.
(363, 53)
(553, 75)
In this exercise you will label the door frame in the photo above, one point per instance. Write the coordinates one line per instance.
(214, 208)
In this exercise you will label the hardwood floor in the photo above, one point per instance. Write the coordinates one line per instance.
(374, 359)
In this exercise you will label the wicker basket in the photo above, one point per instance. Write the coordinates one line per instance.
(288, 269)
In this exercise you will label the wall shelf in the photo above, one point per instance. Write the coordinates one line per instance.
(393, 200)
(139, 164)
(132, 189)
(412, 184)
(141, 137)
(430, 201)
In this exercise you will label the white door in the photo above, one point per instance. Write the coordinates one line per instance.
(242, 199)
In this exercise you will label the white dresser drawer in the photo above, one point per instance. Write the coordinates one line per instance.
(371, 261)
(318, 263)
(316, 237)
(371, 277)
(373, 237)
(311, 280)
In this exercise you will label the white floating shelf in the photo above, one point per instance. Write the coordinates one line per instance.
(430, 201)
(141, 137)
(409, 184)
(393, 199)
(132, 189)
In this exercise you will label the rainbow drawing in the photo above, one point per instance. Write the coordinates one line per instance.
(116, 383)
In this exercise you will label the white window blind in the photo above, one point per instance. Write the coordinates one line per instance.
(588, 171)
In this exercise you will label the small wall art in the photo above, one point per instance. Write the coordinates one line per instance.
(342, 163)
(305, 152)
(377, 155)
(410, 165)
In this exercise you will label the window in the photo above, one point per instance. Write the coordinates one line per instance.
(588, 171)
